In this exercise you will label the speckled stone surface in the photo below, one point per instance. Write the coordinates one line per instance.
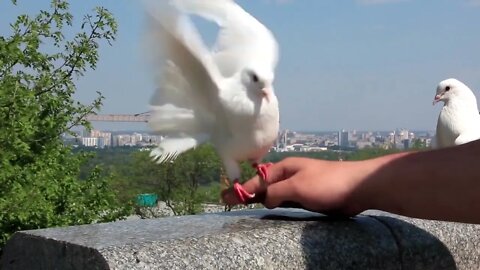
(461, 242)
(250, 239)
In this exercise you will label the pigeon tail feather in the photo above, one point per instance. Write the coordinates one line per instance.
(170, 148)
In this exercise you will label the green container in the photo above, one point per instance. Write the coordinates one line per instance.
(147, 200)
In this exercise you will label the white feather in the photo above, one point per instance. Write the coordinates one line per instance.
(169, 118)
(170, 148)
(242, 39)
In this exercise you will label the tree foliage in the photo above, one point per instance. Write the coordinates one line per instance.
(368, 153)
(419, 144)
(39, 176)
(183, 184)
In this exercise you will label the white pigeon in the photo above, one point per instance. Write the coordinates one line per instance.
(459, 119)
(224, 95)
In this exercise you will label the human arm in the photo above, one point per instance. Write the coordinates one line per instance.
(439, 184)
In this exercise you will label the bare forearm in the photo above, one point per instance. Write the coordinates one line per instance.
(441, 184)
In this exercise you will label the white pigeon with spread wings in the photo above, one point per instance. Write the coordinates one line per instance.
(459, 119)
(225, 95)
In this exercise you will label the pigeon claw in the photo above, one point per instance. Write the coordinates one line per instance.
(262, 169)
(242, 195)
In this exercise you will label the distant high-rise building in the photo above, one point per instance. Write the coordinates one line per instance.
(403, 134)
(101, 142)
(122, 140)
(105, 136)
(285, 138)
(89, 141)
(343, 138)
(151, 139)
(136, 138)
(406, 144)
(282, 139)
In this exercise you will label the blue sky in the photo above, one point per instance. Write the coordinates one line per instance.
(353, 64)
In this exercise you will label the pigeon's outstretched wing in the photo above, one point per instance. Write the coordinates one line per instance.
(190, 68)
(242, 39)
(188, 97)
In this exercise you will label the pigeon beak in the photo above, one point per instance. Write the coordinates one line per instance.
(266, 93)
(436, 99)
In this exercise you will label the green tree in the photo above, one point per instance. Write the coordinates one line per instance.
(39, 176)
(369, 153)
(138, 175)
(419, 144)
(183, 184)
(180, 186)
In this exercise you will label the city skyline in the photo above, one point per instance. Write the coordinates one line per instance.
(361, 64)
(287, 140)
(123, 127)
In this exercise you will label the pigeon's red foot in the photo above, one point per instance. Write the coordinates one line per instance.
(241, 193)
(262, 169)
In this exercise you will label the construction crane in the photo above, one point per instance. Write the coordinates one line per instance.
(139, 117)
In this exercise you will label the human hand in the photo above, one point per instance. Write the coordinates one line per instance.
(330, 187)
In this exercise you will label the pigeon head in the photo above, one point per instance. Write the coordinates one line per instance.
(451, 89)
(258, 84)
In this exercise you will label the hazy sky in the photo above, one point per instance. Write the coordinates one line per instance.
(353, 64)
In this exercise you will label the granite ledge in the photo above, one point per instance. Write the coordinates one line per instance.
(251, 239)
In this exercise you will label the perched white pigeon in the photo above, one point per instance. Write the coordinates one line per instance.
(459, 119)
(225, 95)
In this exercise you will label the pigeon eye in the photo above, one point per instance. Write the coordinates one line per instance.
(447, 88)
(254, 77)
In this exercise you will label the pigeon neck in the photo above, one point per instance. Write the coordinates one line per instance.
(462, 105)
